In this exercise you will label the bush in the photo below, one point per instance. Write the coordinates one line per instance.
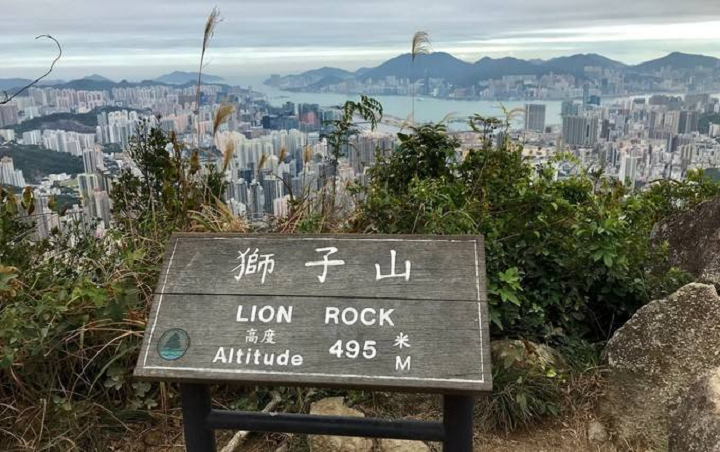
(565, 257)
(527, 385)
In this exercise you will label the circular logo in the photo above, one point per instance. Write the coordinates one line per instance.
(173, 344)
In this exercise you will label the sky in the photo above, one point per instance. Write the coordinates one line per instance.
(138, 39)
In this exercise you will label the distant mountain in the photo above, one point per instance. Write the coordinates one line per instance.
(89, 84)
(576, 64)
(677, 60)
(328, 72)
(96, 78)
(12, 84)
(316, 77)
(435, 65)
(488, 68)
(326, 81)
(6, 84)
(462, 73)
(181, 78)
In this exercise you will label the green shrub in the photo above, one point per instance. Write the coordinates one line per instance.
(565, 257)
(527, 385)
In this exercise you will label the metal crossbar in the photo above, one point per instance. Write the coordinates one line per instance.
(455, 431)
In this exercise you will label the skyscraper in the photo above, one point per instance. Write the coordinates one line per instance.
(8, 115)
(535, 117)
(580, 130)
(688, 122)
(9, 175)
(88, 185)
(92, 160)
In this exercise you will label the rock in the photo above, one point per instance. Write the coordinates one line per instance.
(396, 445)
(695, 425)
(153, 438)
(526, 355)
(596, 432)
(694, 239)
(655, 357)
(335, 406)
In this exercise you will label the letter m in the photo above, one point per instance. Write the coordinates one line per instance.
(401, 365)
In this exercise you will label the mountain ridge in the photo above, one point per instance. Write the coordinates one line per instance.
(184, 77)
(458, 71)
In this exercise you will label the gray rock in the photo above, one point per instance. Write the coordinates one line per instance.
(335, 406)
(695, 425)
(655, 357)
(396, 445)
(694, 239)
(596, 432)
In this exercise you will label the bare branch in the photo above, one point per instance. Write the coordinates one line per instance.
(37, 80)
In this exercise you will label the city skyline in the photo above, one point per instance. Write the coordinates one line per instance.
(136, 41)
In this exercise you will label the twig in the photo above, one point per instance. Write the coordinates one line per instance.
(52, 66)
(42, 421)
(242, 435)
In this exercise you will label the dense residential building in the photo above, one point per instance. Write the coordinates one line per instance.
(580, 130)
(9, 175)
(8, 115)
(535, 117)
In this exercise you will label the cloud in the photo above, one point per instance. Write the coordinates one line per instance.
(262, 36)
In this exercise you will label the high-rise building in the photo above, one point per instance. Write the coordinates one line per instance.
(580, 130)
(272, 189)
(535, 117)
(89, 184)
(688, 121)
(92, 160)
(256, 201)
(103, 206)
(8, 115)
(9, 175)
(569, 108)
(628, 169)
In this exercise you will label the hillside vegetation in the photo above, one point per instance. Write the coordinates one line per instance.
(568, 261)
(37, 162)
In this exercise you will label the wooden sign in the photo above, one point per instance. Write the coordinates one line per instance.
(361, 311)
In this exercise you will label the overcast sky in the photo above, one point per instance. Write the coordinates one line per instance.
(144, 38)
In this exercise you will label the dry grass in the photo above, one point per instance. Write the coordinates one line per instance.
(217, 218)
(420, 44)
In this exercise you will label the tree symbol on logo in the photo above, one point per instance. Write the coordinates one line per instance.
(174, 342)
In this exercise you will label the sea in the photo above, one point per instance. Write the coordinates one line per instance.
(427, 109)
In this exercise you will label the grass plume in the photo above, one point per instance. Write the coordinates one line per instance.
(261, 164)
(228, 153)
(222, 114)
(210, 25)
(420, 44)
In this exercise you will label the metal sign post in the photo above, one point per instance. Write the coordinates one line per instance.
(455, 432)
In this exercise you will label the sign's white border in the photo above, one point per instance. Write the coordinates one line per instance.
(266, 372)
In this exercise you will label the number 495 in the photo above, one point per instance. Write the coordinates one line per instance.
(352, 349)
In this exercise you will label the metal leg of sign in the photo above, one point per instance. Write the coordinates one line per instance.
(196, 407)
(458, 414)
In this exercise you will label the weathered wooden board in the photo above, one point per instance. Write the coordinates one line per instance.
(285, 317)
